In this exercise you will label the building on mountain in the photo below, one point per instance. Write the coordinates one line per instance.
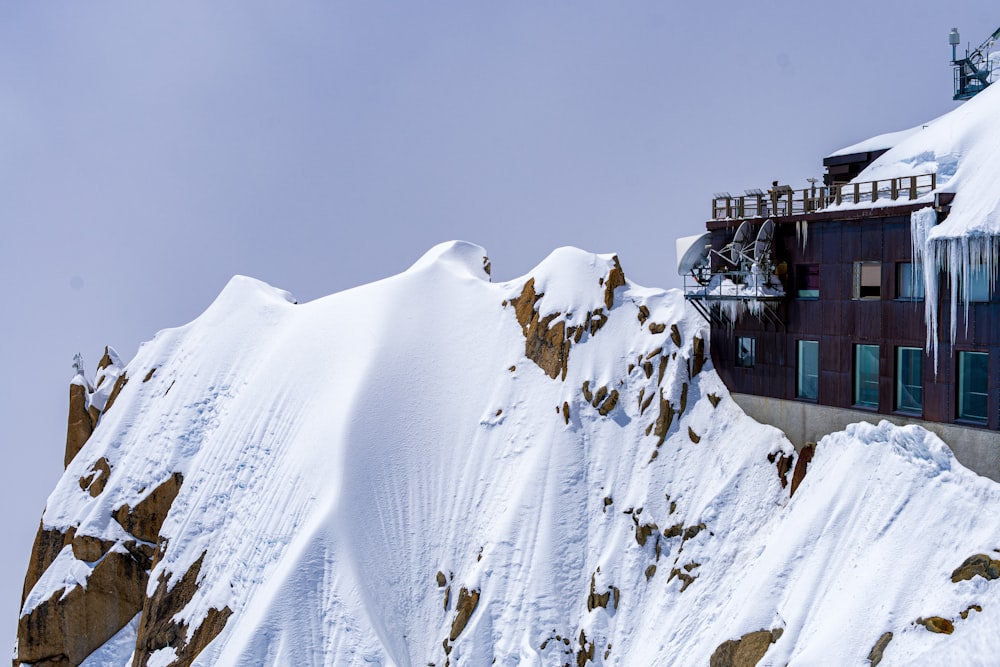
(819, 311)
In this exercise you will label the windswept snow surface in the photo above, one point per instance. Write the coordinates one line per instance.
(338, 454)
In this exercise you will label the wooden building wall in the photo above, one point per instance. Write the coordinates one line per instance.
(839, 322)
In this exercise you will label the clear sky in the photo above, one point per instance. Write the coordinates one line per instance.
(149, 151)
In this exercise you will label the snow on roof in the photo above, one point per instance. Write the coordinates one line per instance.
(878, 143)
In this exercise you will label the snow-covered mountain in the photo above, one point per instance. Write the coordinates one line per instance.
(435, 469)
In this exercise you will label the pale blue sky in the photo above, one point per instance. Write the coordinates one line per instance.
(148, 152)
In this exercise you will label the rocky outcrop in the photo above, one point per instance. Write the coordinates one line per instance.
(80, 423)
(801, 466)
(745, 651)
(159, 629)
(70, 625)
(979, 565)
(875, 655)
(144, 520)
(467, 602)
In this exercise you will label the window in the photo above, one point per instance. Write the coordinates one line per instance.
(807, 381)
(866, 375)
(979, 285)
(867, 280)
(909, 379)
(909, 281)
(807, 276)
(972, 385)
(746, 351)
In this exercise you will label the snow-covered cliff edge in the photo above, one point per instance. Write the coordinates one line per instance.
(439, 470)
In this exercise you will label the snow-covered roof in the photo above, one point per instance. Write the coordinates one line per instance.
(878, 143)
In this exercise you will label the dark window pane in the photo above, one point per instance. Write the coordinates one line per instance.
(807, 276)
(972, 385)
(807, 384)
(909, 379)
(866, 375)
(746, 351)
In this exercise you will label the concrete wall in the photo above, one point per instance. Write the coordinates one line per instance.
(975, 448)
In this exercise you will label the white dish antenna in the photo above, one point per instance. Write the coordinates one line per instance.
(692, 251)
(744, 235)
(765, 239)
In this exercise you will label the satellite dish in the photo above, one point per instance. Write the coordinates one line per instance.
(692, 252)
(744, 234)
(765, 237)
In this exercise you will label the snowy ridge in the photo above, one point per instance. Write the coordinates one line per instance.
(389, 475)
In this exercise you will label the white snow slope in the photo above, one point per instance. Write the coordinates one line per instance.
(338, 454)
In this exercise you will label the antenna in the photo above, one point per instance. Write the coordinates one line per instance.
(765, 238)
(692, 251)
(743, 235)
(954, 40)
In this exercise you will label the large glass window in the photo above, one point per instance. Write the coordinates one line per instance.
(909, 379)
(979, 285)
(807, 383)
(746, 351)
(867, 280)
(909, 281)
(866, 375)
(807, 281)
(972, 385)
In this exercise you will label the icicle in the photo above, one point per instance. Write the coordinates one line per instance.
(921, 222)
(802, 233)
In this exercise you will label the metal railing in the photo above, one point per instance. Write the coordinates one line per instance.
(782, 200)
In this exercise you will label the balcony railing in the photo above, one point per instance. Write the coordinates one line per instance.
(783, 200)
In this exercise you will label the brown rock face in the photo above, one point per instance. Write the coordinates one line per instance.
(68, 627)
(467, 601)
(144, 520)
(97, 478)
(801, 465)
(979, 565)
(937, 624)
(80, 424)
(875, 655)
(745, 651)
(48, 544)
(115, 390)
(158, 629)
(547, 346)
(614, 280)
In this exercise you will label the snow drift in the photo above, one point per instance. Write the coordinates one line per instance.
(434, 469)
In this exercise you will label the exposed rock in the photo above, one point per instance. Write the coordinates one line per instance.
(783, 464)
(467, 601)
(80, 423)
(978, 565)
(586, 651)
(801, 465)
(149, 375)
(70, 625)
(609, 403)
(650, 571)
(663, 421)
(645, 404)
(615, 279)
(441, 579)
(970, 609)
(547, 346)
(643, 314)
(675, 335)
(90, 549)
(599, 396)
(657, 328)
(684, 397)
(144, 520)
(875, 655)
(691, 531)
(675, 530)
(587, 394)
(115, 390)
(697, 355)
(159, 629)
(643, 532)
(745, 651)
(695, 438)
(937, 624)
(487, 266)
(565, 412)
(595, 599)
(714, 400)
(48, 544)
(97, 478)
